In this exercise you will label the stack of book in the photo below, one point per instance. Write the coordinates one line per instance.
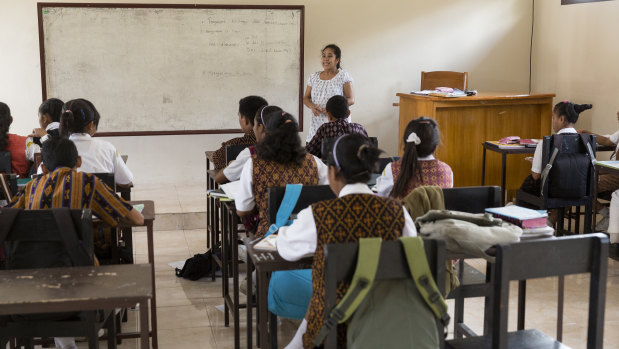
(532, 222)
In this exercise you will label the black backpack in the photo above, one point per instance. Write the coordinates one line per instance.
(197, 266)
(570, 166)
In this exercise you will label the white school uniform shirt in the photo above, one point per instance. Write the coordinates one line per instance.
(536, 166)
(385, 182)
(615, 139)
(300, 239)
(101, 156)
(234, 169)
(32, 148)
(244, 199)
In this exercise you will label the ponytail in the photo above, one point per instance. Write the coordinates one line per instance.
(570, 110)
(281, 142)
(5, 123)
(421, 137)
(355, 157)
(76, 115)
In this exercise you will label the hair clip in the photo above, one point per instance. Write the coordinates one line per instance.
(337, 164)
(363, 146)
(262, 111)
(287, 121)
(565, 101)
(413, 138)
(83, 115)
(68, 111)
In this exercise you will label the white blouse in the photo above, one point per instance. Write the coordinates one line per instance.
(234, 169)
(322, 90)
(536, 166)
(244, 199)
(101, 156)
(300, 239)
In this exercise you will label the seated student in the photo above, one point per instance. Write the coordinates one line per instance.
(13, 143)
(49, 120)
(79, 122)
(337, 112)
(564, 117)
(350, 164)
(418, 166)
(279, 160)
(232, 172)
(608, 183)
(248, 107)
(63, 186)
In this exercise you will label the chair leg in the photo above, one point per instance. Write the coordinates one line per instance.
(111, 329)
(588, 218)
(560, 222)
(577, 224)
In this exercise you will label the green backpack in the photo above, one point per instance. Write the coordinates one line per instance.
(395, 313)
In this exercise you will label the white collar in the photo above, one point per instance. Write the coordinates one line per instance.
(567, 130)
(355, 188)
(75, 136)
(425, 158)
(52, 126)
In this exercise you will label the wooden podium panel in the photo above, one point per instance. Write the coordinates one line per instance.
(466, 122)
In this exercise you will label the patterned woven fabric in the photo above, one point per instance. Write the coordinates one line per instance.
(77, 190)
(219, 156)
(434, 172)
(342, 220)
(268, 174)
(331, 130)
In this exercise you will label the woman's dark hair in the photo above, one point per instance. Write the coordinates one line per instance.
(265, 110)
(5, 123)
(53, 108)
(249, 105)
(281, 142)
(426, 130)
(355, 157)
(58, 152)
(336, 50)
(76, 114)
(570, 110)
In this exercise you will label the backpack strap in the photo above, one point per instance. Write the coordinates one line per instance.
(557, 147)
(586, 140)
(362, 280)
(420, 270)
(78, 254)
(291, 196)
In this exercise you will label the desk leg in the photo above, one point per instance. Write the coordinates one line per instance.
(235, 278)
(250, 285)
(560, 308)
(483, 167)
(225, 286)
(144, 343)
(263, 309)
(273, 329)
(594, 203)
(522, 296)
(153, 301)
(503, 169)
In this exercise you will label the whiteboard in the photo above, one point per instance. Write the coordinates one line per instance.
(170, 69)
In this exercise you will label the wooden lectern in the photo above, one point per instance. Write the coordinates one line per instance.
(466, 122)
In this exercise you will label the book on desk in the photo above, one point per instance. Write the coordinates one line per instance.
(521, 144)
(523, 217)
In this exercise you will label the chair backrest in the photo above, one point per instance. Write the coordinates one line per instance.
(571, 144)
(327, 145)
(341, 261)
(5, 161)
(547, 257)
(472, 199)
(107, 178)
(383, 162)
(309, 195)
(232, 151)
(8, 186)
(433, 79)
(36, 162)
(46, 238)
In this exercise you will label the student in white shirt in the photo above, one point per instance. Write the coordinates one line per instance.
(79, 122)
(353, 215)
(49, 121)
(232, 172)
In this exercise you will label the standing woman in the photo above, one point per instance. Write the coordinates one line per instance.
(325, 84)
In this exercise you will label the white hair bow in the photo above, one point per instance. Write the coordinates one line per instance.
(413, 138)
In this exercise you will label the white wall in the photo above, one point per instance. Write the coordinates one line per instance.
(576, 55)
(385, 45)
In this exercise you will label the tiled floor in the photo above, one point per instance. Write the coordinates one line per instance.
(188, 317)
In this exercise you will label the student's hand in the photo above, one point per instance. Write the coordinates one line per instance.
(38, 132)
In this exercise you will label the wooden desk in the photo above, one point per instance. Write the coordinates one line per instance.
(598, 170)
(149, 217)
(465, 122)
(504, 153)
(86, 288)
(265, 263)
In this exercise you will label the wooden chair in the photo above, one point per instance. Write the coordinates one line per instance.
(37, 162)
(472, 199)
(543, 258)
(44, 239)
(383, 162)
(5, 161)
(232, 151)
(571, 144)
(433, 79)
(340, 264)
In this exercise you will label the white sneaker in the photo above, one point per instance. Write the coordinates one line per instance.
(602, 225)
(65, 342)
